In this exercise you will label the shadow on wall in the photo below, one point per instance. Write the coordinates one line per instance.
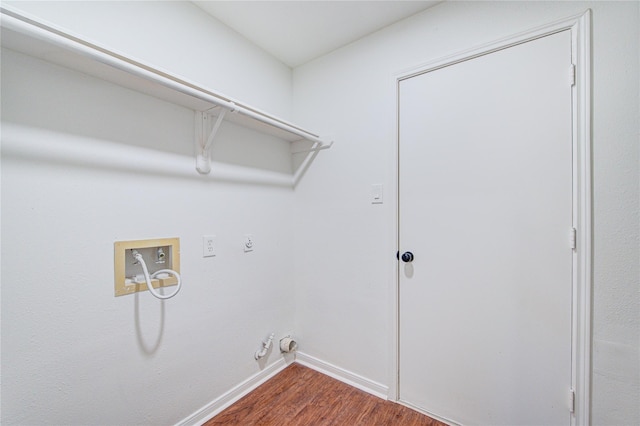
(42, 96)
(148, 343)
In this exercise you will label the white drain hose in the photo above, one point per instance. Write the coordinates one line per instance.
(148, 278)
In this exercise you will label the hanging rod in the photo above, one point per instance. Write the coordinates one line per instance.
(89, 52)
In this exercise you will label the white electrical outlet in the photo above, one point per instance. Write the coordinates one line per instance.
(208, 245)
(248, 243)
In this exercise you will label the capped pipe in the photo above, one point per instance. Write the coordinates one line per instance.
(265, 347)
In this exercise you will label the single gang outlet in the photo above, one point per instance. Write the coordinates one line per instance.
(208, 245)
(249, 244)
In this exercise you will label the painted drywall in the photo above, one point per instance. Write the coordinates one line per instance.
(72, 353)
(86, 163)
(345, 274)
(179, 37)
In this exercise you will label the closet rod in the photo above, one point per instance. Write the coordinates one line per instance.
(32, 28)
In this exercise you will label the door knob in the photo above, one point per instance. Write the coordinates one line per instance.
(407, 256)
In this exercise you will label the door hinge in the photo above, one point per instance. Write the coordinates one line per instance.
(573, 238)
(572, 75)
(572, 401)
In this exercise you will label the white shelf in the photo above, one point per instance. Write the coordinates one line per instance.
(27, 35)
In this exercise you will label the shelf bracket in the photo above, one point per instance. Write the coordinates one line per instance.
(203, 148)
(310, 156)
(319, 147)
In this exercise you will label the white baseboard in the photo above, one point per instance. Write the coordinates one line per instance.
(353, 379)
(233, 395)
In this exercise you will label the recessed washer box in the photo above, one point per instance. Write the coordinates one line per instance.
(159, 253)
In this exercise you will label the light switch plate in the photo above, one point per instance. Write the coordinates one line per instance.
(376, 194)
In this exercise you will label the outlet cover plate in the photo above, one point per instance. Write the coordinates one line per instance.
(248, 243)
(208, 245)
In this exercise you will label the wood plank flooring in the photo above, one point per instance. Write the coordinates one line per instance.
(301, 396)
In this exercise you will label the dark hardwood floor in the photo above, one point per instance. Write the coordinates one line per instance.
(301, 396)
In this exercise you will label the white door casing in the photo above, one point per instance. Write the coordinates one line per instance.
(488, 211)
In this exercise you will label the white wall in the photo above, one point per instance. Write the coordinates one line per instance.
(345, 273)
(179, 37)
(72, 353)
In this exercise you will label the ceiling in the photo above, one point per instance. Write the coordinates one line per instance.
(296, 32)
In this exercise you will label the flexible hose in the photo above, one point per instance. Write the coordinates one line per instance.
(148, 278)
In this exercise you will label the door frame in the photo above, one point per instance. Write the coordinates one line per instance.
(580, 27)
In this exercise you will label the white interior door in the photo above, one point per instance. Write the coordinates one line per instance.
(485, 196)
